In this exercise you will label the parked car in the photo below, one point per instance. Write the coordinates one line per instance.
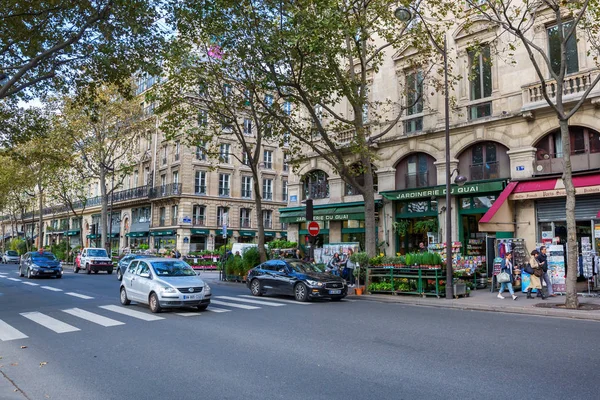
(40, 264)
(10, 257)
(164, 283)
(295, 278)
(124, 263)
(94, 259)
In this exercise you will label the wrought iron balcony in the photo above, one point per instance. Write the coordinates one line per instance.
(172, 189)
(554, 164)
(199, 221)
(484, 171)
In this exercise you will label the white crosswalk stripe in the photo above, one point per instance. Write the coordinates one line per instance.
(216, 310)
(51, 288)
(244, 306)
(14, 279)
(7, 332)
(262, 303)
(81, 296)
(188, 314)
(31, 284)
(132, 313)
(49, 322)
(92, 317)
(276, 299)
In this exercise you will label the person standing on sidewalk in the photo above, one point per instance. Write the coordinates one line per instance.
(507, 266)
(542, 259)
(535, 282)
(350, 269)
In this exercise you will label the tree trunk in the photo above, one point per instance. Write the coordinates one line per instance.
(104, 213)
(572, 252)
(259, 220)
(369, 199)
(41, 220)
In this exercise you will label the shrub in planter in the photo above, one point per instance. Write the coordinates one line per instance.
(251, 259)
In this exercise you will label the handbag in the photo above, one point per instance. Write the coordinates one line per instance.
(503, 277)
(528, 269)
(538, 272)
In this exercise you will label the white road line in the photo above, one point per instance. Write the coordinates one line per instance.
(51, 288)
(188, 314)
(95, 318)
(49, 322)
(278, 299)
(7, 332)
(81, 296)
(222, 303)
(217, 310)
(14, 279)
(262, 303)
(31, 284)
(132, 313)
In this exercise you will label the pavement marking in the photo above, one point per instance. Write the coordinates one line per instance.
(51, 288)
(262, 303)
(222, 303)
(278, 300)
(7, 332)
(49, 322)
(14, 279)
(95, 318)
(31, 284)
(188, 314)
(132, 313)
(217, 310)
(81, 296)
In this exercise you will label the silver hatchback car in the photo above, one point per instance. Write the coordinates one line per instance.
(164, 283)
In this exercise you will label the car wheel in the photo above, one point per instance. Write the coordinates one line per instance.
(124, 300)
(301, 292)
(202, 307)
(256, 287)
(154, 304)
(119, 274)
(21, 274)
(58, 276)
(29, 276)
(88, 269)
(109, 271)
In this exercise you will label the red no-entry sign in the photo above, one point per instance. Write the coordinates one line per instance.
(313, 228)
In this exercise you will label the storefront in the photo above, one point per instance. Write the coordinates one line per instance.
(246, 236)
(270, 236)
(94, 240)
(74, 237)
(199, 239)
(164, 240)
(220, 240)
(137, 240)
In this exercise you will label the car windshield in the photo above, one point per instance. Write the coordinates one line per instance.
(172, 268)
(12, 253)
(97, 253)
(302, 267)
(43, 257)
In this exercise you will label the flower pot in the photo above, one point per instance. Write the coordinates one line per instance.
(358, 291)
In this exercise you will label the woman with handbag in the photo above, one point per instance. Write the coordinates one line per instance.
(535, 269)
(506, 268)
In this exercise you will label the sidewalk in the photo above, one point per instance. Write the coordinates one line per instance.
(483, 300)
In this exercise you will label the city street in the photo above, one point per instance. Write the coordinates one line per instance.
(93, 348)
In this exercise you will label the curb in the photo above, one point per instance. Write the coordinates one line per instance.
(572, 314)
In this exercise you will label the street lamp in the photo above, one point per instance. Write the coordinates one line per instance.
(405, 15)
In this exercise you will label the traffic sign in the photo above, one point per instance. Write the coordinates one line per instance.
(313, 228)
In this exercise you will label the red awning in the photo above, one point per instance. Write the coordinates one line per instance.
(498, 203)
(535, 186)
(598, 215)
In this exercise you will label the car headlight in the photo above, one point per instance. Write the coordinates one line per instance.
(169, 290)
(35, 267)
(206, 288)
(314, 283)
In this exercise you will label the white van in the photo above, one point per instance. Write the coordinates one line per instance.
(242, 247)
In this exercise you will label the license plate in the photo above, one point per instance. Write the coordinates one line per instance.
(335, 292)
(191, 296)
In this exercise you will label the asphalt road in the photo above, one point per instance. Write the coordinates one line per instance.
(346, 350)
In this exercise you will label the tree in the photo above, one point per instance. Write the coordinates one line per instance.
(48, 44)
(318, 57)
(105, 128)
(519, 19)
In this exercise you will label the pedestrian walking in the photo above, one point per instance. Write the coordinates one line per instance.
(333, 265)
(507, 266)
(349, 267)
(534, 280)
(542, 259)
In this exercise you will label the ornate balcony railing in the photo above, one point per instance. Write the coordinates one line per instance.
(172, 189)
(574, 86)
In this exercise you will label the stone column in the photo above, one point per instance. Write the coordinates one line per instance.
(522, 162)
(386, 179)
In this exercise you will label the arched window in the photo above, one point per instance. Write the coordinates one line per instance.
(315, 185)
(360, 177)
(585, 151)
(485, 160)
(416, 170)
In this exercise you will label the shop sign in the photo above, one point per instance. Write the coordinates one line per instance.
(186, 220)
(293, 198)
(542, 194)
(331, 217)
(440, 191)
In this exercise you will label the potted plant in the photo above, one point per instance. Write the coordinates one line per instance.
(360, 258)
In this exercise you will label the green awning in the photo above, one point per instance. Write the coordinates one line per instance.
(220, 232)
(93, 236)
(200, 231)
(114, 235)
(247, 233)
(162, 233)
(339, 213)
(137, 234)
(74, 232)
(283, 233)
(440, 191)
(270, 234)
(292, 216)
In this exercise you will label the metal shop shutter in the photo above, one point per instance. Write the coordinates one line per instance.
(586, 208)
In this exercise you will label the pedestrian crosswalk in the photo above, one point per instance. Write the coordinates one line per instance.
(72, 320)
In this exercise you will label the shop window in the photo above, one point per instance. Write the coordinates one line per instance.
(477, 202)
(315, 185)
(422, 206)
(554, 48)
(353, 223)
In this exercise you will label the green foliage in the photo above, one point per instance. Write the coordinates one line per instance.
(144, 246)
(401, 226)
(361, 258)
(18, 245)
(60, 250)
(425, 226)
(281, 244)
(251, 259)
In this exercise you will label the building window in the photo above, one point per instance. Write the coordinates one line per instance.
(202, 118)
(247, 127)
(284, 191)
(267, 218)
(200, 153)
(175, 178)
(268, 100)
(247, 187)
(200, 182)
(286, 162)
(267, 189)
(199, 215)
(164, 156)
(224, 151)
(136, 179)
(161, 216)
(268, 159)
(246, 158)
(245, 217)
(315, 185)
(287, 108)
(484, 161)
(224, 180)
(222, 213)
(163, 184)
(226, 90)
(554, 53)
(174, 211)
(414, 101)
(481, 81)
(177, 149)
(146, 176)
(417, 174)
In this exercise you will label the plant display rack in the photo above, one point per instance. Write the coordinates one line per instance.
(391, 280)
(469, 268)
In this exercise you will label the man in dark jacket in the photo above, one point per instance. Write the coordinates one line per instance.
(542, 259)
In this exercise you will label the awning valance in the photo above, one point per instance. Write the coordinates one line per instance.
(137, 234)
(74, 232)
(93, 236)
(555, 187)
(470, 188)
(335, 212)
(247, 233)
(200, 231)
(270, 234)
(162, 233)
